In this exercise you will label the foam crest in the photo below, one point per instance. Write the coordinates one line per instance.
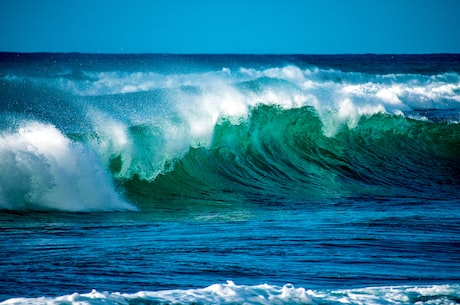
(324, 89)
(264, 294)
(147, 142)
(146, 132)
(42, 169)
(146, 119)
(393, 90)
(342, 98)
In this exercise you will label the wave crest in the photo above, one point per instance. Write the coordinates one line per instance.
(42, 169)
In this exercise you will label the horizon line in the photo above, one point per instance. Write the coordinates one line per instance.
(222, 54)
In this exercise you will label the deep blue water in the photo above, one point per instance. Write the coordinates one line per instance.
(162, 177)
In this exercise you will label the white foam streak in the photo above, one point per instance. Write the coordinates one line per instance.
(264, 294)
(42, 169)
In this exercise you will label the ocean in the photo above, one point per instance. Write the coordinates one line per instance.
(229, 179)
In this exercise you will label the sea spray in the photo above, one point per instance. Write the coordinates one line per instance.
(42, 169)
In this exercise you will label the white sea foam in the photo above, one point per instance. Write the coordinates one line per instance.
(42, 169)
(265, 294)
(326, 90)
(179, 117)
(392, 91)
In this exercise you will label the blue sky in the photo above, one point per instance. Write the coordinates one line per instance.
(233, 26)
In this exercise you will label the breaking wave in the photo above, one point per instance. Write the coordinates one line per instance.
(88, 138)
(230, 293)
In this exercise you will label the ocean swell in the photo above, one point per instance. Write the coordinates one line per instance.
(82, 138)
(285, 153)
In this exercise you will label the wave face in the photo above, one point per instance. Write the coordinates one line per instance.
(264, 294)
(99, 132)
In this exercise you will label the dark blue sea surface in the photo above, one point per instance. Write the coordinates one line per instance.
(229, 179)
